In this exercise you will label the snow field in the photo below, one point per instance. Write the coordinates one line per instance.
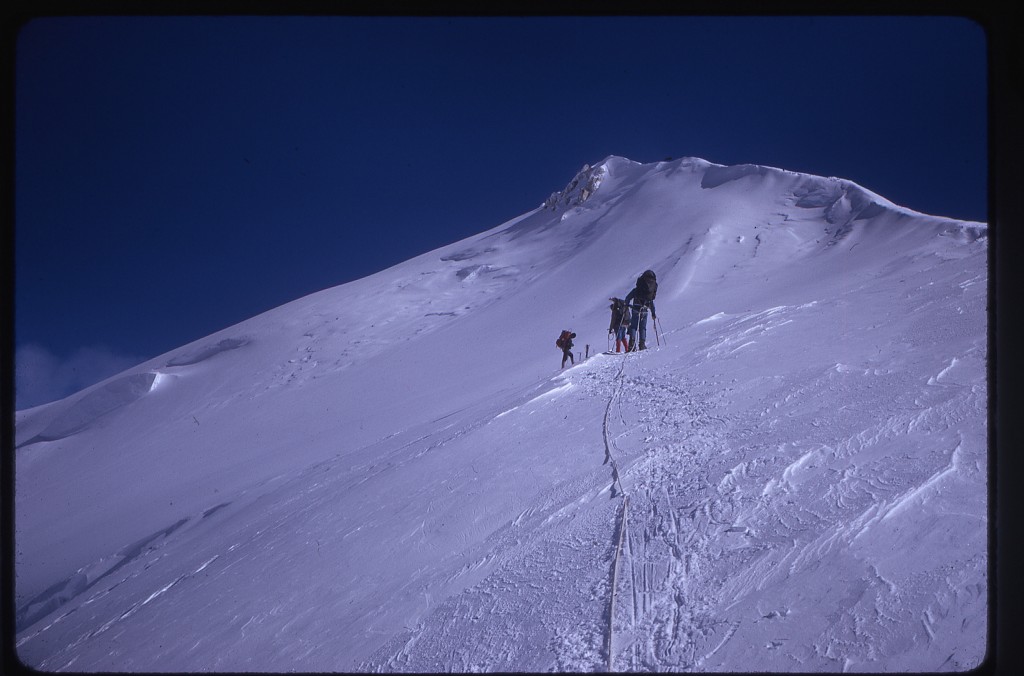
(394, 475)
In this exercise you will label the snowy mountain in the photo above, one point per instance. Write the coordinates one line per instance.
(395, 475)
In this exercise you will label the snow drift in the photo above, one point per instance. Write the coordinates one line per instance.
(394, 475)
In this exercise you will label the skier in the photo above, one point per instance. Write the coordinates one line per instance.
(619, 323)
(641, 299)
(565, 342)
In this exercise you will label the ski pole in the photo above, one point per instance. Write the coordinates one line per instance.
(657, 323)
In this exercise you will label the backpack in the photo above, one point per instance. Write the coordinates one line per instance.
(563, 339)
(621, 310)
(646, 286)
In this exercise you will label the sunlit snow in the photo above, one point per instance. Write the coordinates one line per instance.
(395, 474)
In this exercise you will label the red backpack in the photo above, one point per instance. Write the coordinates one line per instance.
(563, 339)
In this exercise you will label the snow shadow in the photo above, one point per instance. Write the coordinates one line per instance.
(208, 351)
(468, 254)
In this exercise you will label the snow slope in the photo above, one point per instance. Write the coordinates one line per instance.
(394, 475)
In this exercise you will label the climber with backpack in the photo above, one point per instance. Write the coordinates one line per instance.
(620, 323)
(564, 343)
(641, 301)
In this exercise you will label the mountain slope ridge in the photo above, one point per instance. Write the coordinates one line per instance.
(406, 429)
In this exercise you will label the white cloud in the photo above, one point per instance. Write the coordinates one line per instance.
(41, 376)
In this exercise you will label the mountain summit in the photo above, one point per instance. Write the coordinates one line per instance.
(394, 474)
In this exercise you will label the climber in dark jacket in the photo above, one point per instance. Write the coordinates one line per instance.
(641, 301)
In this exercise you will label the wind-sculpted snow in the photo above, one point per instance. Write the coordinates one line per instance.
(843, 202)
(79, 413)
(87, 577)
(716, 176)
(395, 475)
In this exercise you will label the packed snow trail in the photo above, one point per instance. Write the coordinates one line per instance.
(623, 525)
(583, 538)
(624, 518)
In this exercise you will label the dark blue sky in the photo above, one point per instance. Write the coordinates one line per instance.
(174, 176)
